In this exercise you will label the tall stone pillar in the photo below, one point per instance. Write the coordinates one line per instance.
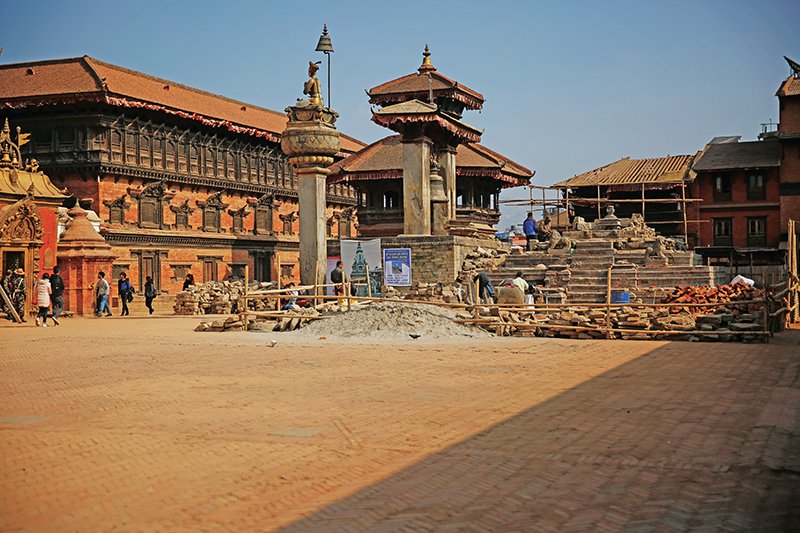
(311, 140)
(82, 253)
(416, 186)
(447, 160)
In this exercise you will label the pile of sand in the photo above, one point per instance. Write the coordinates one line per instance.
(392, 320)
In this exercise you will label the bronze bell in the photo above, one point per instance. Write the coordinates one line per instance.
(438, 195)
(324, 44)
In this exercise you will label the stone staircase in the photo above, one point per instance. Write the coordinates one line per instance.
(588, 271)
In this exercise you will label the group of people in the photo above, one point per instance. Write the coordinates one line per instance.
(534, 234)
(49, 291)
(125, 290)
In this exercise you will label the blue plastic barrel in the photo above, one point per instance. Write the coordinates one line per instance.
(620, 297)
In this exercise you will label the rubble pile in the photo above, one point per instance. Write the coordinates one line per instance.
(431, 292)
(480, 260)
(217, 298)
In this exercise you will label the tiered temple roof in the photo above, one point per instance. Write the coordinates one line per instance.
(383, 159)
(85, 79)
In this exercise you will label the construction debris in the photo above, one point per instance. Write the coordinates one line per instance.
(217, 298)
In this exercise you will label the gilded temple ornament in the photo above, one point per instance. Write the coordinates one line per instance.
(312, 87)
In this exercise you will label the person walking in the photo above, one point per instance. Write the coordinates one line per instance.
(149, 294)
(18, 292)
(102, 291)
(125, 292)
(189, 281)
(43, 292)
(57, 296)
(529, 228)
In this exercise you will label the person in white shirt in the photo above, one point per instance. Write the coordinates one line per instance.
(43, 292)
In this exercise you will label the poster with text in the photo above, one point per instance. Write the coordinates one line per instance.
(397, 267)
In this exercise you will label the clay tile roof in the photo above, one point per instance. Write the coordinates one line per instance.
(383, 159)
(417, 85)
(86, 78)
(743, 155)
(672, 169)
(790, 87)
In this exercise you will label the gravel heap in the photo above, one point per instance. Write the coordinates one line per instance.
(392, 320)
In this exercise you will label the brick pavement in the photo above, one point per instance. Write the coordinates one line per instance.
(143, 425)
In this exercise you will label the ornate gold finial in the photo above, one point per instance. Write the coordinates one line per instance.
(10, 155)
(426, 66)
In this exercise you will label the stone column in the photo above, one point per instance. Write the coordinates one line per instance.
(313, 243)
(447, 159)
(82, 253)
(310, 140)
(416, 186)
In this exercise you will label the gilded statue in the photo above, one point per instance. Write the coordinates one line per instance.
(312, 86)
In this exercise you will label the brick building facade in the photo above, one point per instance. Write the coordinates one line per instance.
(183, 180)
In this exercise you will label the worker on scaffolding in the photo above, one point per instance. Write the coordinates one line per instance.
(529, 227)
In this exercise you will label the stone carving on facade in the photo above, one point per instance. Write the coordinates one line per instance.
(21, 222)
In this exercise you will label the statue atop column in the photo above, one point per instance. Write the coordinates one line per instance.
(312, 87)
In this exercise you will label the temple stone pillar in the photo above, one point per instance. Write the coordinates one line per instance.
(82, 253)
(310, 140)
(447, 160)
(416, 186)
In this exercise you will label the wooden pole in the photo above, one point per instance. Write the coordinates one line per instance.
(477, 288)
(683, 209)
(643, 200)
(765, 310)
(243, 314)
(10, 306)
(280, 286)
(598, 202)
(608, 305)
(369, 285)
(567, 206)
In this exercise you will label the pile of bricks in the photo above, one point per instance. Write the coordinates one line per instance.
(432, 292)
(216, 298)
(721, 294)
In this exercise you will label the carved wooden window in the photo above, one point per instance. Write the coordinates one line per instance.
(130, 148)
(144, 150)
(116, 214)
(212, 212)
(230, 165)
(43, 140)
(219, 157)
(209, 161)
(182, 164)
(288, 223)
(329, 226)
(151, 205)
(210, 268)
(756, 231)
(182, 213)
(390, 200)
(237, 217)
(66, 138)
(755, 187)
(194, 159)
(170, 155)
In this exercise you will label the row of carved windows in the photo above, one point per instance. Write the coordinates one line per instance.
(153, 198)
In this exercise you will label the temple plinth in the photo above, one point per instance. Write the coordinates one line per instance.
(310, 140)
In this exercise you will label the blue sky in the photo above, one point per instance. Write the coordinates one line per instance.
(569, 86)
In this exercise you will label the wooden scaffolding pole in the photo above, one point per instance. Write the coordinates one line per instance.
(642, 200)
(598, 202)
(683, 209)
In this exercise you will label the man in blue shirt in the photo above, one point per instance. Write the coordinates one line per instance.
(529, 227)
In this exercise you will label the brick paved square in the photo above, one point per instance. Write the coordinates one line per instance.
(144, 425)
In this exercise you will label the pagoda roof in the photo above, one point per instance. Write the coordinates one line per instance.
(18, 183)
(419, 85)
(626, 171)
(383, 159)
(411, 111)
(85, 79)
